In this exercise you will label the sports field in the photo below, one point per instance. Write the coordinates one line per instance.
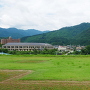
(44, 72)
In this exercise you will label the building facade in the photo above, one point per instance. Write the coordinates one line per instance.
(9, 40)
(27, 46)
(62, 48)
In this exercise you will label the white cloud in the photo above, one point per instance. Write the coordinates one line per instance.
(43, 14)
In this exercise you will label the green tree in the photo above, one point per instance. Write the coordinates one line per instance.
(4, 50)
(86, 50)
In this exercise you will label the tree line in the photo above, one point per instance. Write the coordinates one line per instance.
(85, 51)
(45, 51)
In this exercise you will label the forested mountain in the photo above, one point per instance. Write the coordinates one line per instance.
(84, 37)
(78, 34)
(18, 33)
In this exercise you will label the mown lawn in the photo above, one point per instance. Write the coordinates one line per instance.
(62, 72)
(72, 68)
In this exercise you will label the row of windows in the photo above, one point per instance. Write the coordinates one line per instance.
(22, 49)
(26, 47)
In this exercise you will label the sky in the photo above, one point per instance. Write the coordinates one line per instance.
(43, 14)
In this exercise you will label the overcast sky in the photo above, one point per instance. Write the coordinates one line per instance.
(43, 14)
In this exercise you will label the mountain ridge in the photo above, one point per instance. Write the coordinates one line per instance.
(63, 36)
(18, 33)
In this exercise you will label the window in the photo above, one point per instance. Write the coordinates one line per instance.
(46, 47)
(25, 46)
(37, 46)
(31, 46)
(42, 47)
(4, 46)
(16, 46)
(20, 46)
(12, 46)
(8, 46)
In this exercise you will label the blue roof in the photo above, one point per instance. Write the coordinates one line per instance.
(31, 44)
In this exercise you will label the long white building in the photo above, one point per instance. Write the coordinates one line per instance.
(27, 46)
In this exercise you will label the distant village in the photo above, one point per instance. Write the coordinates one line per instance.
(16, 44)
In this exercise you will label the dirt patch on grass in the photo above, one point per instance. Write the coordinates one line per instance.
(14, 75)
(13, 83)
(31, 61)
(9, 75)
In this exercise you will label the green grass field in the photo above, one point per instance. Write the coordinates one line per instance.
(46, 67)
